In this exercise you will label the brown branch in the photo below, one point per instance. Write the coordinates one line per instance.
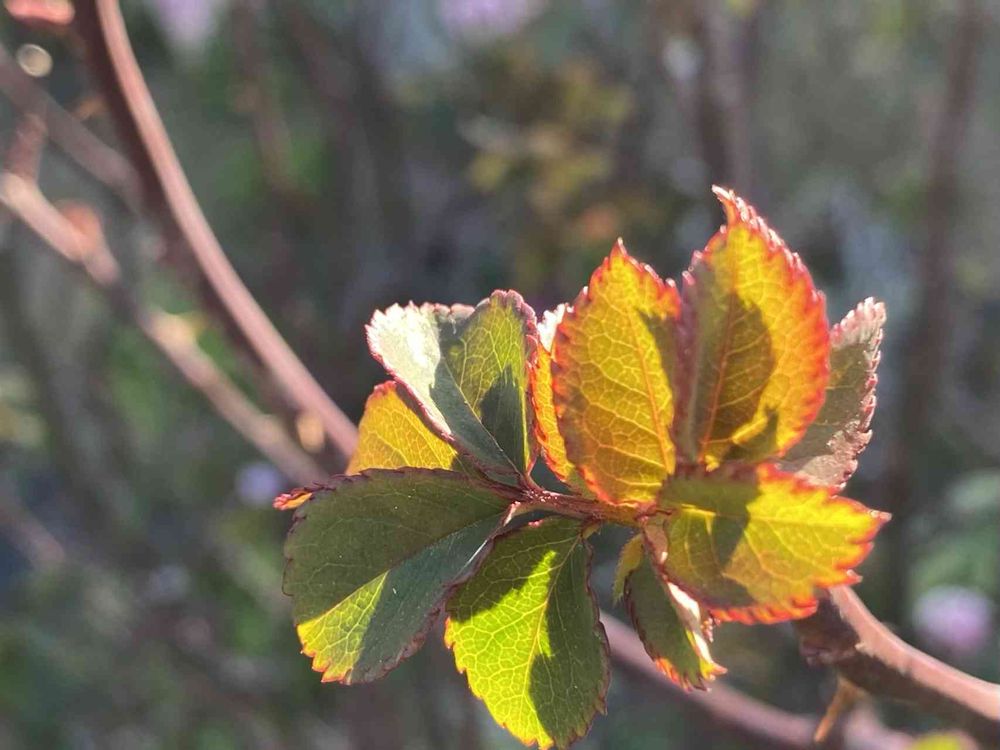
(87, 251)
(102, 27)
(97, 158)
(845, 635)
(743, 716)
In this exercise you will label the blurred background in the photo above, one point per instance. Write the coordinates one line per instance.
(350, 155)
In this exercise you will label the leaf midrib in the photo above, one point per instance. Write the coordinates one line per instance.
(661, 435)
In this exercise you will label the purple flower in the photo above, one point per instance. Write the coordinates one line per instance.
(954, 620)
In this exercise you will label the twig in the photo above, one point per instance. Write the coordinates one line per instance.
(97, 158)
(25, 532)
(88, 251)
(845, 635)
(740, 714)
(101, 25)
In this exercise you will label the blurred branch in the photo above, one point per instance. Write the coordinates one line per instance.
(709, 60)
(728, 39)
(364, 106)
(843, 634)
(25, 532)
(97, 158)
(102, 27)
(931, 329)
(269, 126)
(83, 245)
(743, 716)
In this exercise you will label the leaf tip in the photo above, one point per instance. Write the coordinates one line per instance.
(294, 498)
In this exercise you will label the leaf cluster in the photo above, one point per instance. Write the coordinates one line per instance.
(719, 422)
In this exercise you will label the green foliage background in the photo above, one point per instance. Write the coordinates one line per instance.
(422, 155)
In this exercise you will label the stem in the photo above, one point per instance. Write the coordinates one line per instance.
(845, 635)
(101, 25)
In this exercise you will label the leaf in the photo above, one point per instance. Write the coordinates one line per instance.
(755, 545)
(669, 624)
(525, 631)
(372, 558)
(553, 447)
(611, 379)
(468, 371)
(630, 558)
(828, 452)
(755, 345)
(393, 434)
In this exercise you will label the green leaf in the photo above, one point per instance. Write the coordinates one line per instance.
(631, 557)
(828, 452)
(468, 371)
(372, 558)
(669, 624)
(525, 631)
(755, 344)
(393, 433)
(754, 545)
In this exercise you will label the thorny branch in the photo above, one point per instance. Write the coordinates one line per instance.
(843, 633)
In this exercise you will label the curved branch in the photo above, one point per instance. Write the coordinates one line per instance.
(89, 253)
(845, 635)
(102, 27)
(746, 717)
(98, 159)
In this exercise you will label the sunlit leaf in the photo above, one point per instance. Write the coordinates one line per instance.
(468, 371)
(393, 434)
(524, 629)
(755, 546)
(755, 345)
(611, 379)
(630, 558)
(670, 625)
(553, 447)
(372, 558)
(828, 452)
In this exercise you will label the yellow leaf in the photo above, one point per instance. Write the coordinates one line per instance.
(611, 379)
(755, 342)
(551, 442)
(393, 434)
(755, 545)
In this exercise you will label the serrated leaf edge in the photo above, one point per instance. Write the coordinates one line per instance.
(600, 704)
(379, 391)
(508, 297)
(350, 676)
(737, 212)
(799, 608)
(666, 289)
(544, 439)
(661, 663)
(867, 312)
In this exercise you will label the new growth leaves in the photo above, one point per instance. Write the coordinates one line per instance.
(719, 422)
